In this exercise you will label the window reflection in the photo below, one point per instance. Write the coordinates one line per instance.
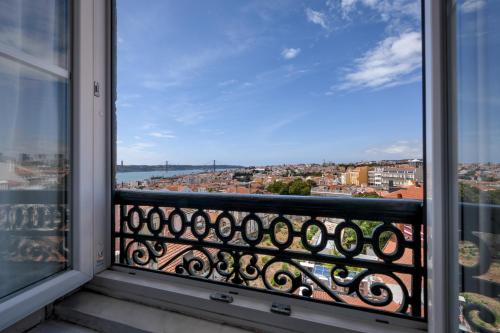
(38, 28)
(475, 91)
(34, 175)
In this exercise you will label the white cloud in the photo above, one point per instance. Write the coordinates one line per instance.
(316, 17)
(404, 149)
(127, 100)
(394, 61)
(227, 83)
(186, 66)
(347, 6)
(290, 53)
(138, 153)
(272, 127)
(162, 135)
(400, 15)
(469, 6)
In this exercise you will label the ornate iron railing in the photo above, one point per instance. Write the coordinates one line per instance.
(34, 236)
(479, 263)
(357, 253)
(31, 222)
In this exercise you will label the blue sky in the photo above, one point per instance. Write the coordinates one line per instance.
(268, 82)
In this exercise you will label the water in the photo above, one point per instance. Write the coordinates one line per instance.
(144, 175)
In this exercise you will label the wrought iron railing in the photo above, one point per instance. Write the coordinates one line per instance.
(479, 260)
(34, 236)
(357, 253)
(31, 222)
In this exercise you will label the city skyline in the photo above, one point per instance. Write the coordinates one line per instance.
(269, 83)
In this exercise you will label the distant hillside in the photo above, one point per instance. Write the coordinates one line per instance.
(173, 167)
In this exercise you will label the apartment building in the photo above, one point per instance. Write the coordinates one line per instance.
(357, 176)
(375, 177)
(401, 176)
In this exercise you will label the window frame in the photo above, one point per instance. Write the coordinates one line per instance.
(89, 196)
(176, 293)
(442, 238)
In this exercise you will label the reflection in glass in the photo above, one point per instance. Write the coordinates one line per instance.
(38, 28)
(474, 98)
(34, 175)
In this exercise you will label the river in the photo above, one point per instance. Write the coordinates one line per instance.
(143, 175)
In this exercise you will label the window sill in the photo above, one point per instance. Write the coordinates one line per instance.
(28, 301)
(249, 309)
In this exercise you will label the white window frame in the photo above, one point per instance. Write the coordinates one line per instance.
(441, 192)
(90, 162)
(190, 296)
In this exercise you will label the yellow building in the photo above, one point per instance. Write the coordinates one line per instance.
(359, 176)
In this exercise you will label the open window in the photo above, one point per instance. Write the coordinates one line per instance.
(47, 211)
(275, 148)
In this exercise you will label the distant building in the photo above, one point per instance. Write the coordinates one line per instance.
(345, 178)
(403, 175)
(359, 176)
(375, 177)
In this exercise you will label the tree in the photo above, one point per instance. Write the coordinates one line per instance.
(473, 194)
(367, 195)
(278, 187)
(311, 183)
(296, 187)
(299, 187)
(367, 227)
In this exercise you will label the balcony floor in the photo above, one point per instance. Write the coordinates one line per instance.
(57, 326)
(108, 314)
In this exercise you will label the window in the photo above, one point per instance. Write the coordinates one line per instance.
(35, 154)
(473, 96)
(263, 101)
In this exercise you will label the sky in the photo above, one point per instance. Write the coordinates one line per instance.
(268, 82)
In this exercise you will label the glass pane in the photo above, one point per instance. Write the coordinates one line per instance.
(34, 175)
(38, 28)
(474, 97)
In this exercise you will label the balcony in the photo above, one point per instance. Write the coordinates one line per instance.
(279, 245)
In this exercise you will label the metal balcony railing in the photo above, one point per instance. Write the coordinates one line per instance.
(365, 254)
(34, 237)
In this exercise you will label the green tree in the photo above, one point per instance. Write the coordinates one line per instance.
(367, 195)
(367, 227)
(278, 187)
(473, 194)
(298, 186)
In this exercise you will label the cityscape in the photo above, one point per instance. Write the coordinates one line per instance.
(384, 179)
(378, 179)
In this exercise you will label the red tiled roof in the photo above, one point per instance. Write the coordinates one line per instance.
(407, 192)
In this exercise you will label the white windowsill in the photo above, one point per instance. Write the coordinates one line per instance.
(36, 297)
(249, 309)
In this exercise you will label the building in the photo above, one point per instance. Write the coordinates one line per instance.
(403, 175)
(375, 177)
(359, 176)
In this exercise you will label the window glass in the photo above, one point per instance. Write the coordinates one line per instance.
(475, 103)
(34, 155)
(37, 28)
